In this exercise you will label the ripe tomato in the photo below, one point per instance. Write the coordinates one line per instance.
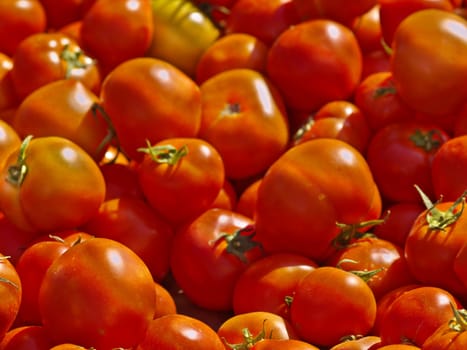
(412, 44)
(338, 119)
(264, 19)
(182, 32)
(375, 62)
(398, 347)
(343, 11)
(46, 57)
(165, 302)
(237, 99)
(177, 331)
(307, 190)
(307, 60)
(392, 12)
(113, 32)
(367, 30)
(283, 344)
(267, 282)
(46, 185)
(26, 338)
(413, 144)
(8, 97)
(9, 141)
(11, 291)
(132, 222)
(42, 113)
(226, 198)
(221, 243)
(64, 12)
(181, 177)
(120, 180)
(68, 346)
(252, 327)
(448, 169)
(379, 101)
(237, 50)
(18, 20)
(450, 335)
(358, 343)
(426, 305)
(439, 230)
(116, 312)
(162, 101)
(355, 309)
(246, 203)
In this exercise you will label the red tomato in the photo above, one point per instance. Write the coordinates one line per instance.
(375, 62)
(439, 230)
(379, 262)
(11, 291)
(367, 30)
(162, 100)
(221, 243)
(42, 113)
(379, 101)
(338, 119)
(115, 312)
(165, 303)
(399, 347)
(114, 32)
(252, 327)
(132, 222)
(283, 344)
(181, 177)
(267, 282)
(63, 12)
(26, 338)
(315, 62)
(413, 43)
(449, 168)
(246, 203)
(36, 191)
(413, 144)
(392, 12)
(324, 286)
(8, 98)
(426, 305)
(264, 19)
(368, 342)
(176, 331)
(68, 346)
(342, 10)
(120, 180)
(309, 189)
(450, 335)
(18, 20)
(46, 57)
(9, 141)
(236, 100)
(237, 50)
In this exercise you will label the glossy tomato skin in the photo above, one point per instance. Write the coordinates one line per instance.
(181, 177)
(260, 324)
(324, 286)
(115, 313)
(11, 290)
(448, 169)
(114, 32)
(337, 119)
(307, 59)
(177, 331)
(237, 50)
(19, 19)
(163, 102)
(49, 203)
(283, 344)
(240, 99)
(210, 281)
(422, 91)
(62, 13)
(132, 222)
(298, 207)
(46, 57)
(367, 342)
(450, 335)
(342, 11)
(9, 140)
(32, 337)
(266, 283)
(367, 30)
(426, 304)
(42, 113)
(413, 144)
(8, 98)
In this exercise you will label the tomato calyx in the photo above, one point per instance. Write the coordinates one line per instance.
(240, 242)
(384, 90)
(426, 140)
(351, 232)
(459, 322)
(17, 172)
(438, 219)
(249, 339)
(303, 129)
(231, 108)
(111, 133)
(165, 154)
(365, 275)
(74, 59)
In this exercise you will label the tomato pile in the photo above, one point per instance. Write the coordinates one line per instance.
(233, 174)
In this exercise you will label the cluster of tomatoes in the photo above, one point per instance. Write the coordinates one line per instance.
(233, 174)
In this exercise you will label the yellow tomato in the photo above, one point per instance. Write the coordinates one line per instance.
(182, 33)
